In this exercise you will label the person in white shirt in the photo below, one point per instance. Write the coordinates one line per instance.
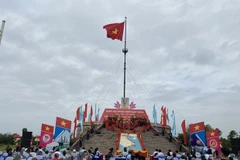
(155, 154)
(160, 155)
(83, 150)
(97, 154)
(129, 156)
(124, 153)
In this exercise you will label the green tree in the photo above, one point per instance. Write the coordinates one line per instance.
(232, 134)
(225, 143)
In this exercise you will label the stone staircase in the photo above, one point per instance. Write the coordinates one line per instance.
(152, 142)
(105, 140)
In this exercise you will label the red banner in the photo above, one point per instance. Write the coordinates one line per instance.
(126, 114)
(213, 140)
(46, 136)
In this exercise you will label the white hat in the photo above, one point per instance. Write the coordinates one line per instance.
(198, 155)
(74, 150)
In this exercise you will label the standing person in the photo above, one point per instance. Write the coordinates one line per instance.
(129, 156)
(160, 155)
(125, 153)
(97, 154)
(55, 156)
(155, 154)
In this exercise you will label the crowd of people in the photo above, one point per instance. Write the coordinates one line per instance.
(193, 155)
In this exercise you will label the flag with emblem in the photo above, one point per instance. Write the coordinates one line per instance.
(62, 131)
(115, 30)
(197, 134)
(46, 135)
(213, 140)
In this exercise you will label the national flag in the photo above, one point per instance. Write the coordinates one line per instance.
(174, 133)
(196, 127)
(63, 131)
(63, 123)
(46, 135)
(115, 30)
(184, 130)
(213, 140)
(197, 134)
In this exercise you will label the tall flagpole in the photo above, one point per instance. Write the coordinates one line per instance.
(1, 30)
(125, 50)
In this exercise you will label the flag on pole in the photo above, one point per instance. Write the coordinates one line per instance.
(213, 140)
(114, 30)
(95, 112)
(81, 117)
(90, 115)
(76, 121)
(174, 133)
(46, 135)
(85, 113)
(184, 130)
(154, 115)
(98, 115)
(197, 134)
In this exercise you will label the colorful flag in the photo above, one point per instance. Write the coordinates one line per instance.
(115, 30)
(76, 121)
(174, 133)
(81, 117)
(98, 118)
(197, 134)
(154, 115)
(213, 140)
(184, 130)
(46, 136)
(95, 112)
(62, 131)
(85, 113)
(163, 116)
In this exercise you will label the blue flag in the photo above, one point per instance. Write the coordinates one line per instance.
(81, 117)
(98, 115)
(154, 115)
(174, 133)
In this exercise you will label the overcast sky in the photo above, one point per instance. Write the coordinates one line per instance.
(183, 54)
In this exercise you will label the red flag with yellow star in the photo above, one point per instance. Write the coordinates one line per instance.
(197, 134)
(213, 140)
(63, 123)
(196, 127)
(46, 135)
(115, 30)
(62, 130)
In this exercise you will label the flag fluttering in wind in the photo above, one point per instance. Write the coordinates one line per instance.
(95, 112)
(77, 117)
(85, 113)
(154, 115)
(197, 134)
(163, 121)
(98, 118)
(81, 117)
(184, 130)
(174, 133)
(115, 30)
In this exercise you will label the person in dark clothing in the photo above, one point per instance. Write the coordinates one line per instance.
(209, 150)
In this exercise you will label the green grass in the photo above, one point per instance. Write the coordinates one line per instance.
(3, 147)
